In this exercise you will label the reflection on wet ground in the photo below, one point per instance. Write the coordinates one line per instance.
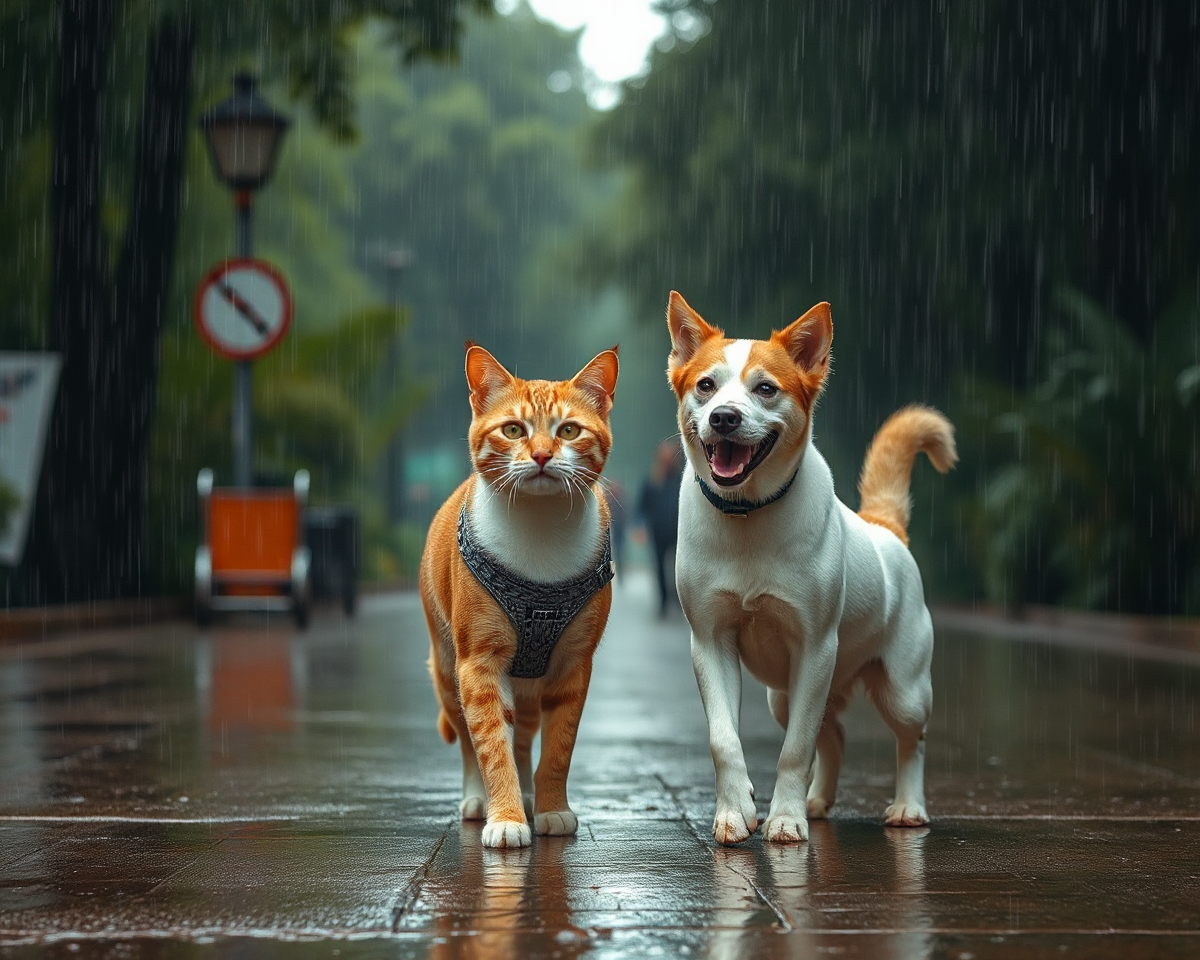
(252, 792)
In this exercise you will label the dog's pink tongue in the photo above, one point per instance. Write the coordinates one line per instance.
(730, 459)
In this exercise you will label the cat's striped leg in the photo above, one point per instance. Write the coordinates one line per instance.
(529, 717)
(487, 704)
(474, 801)
(451, 723)
(562, 706)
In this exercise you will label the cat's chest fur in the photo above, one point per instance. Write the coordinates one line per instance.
(543, 539)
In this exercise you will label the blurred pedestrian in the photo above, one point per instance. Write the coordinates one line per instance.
(658, 507)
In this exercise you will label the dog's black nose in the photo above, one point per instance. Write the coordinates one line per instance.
(725, 420)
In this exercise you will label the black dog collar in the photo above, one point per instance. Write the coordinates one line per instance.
(742, 508)
(540, 612)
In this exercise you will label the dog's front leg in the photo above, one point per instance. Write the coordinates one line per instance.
(808, 691)
(719, 676)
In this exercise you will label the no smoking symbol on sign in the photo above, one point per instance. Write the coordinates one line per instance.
(243, 308)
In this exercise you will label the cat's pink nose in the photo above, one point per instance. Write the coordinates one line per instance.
(541, 457)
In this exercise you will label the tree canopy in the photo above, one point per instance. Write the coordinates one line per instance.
(934, 170)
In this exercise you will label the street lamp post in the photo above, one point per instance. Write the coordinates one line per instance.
(243, 133)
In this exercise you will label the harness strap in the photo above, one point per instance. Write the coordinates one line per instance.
(540, 612)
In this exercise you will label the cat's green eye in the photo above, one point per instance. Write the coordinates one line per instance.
(514, 431)
(569, 431)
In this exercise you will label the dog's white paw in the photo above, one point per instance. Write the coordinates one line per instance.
(506, 835)
(818, 808)
(473, 808)
(905, 815)
(737, 817)
(784, 828)
(734, 826)
(556, 823)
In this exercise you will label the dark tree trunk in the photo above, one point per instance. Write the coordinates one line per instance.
(86, 538)
(65, 533)
(143, 280)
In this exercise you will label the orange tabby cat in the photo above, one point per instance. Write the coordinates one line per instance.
(532, 513)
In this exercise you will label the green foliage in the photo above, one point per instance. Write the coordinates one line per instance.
(332, 404)
(1094, 501)
(476, 169)
(324, 401)
(934, 171)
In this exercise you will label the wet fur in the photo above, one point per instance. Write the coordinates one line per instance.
(812, 597)
(548, 521)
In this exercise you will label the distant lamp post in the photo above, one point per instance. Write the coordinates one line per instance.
(243, 133)
(395, 261)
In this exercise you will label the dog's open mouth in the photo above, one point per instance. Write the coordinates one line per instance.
(731, 463)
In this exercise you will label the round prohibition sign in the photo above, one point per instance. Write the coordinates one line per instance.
(242, 308)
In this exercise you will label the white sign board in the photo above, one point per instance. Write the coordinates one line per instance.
(27, 390)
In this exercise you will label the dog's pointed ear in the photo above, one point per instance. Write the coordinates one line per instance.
(808, 340)
(688, 330)
(485, 375)
(599, 379)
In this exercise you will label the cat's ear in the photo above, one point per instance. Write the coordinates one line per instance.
(599, 379)
(688, 330)
(485, 375)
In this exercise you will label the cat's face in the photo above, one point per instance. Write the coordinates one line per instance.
(541, 437)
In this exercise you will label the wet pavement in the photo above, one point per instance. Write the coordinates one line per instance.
(251, 792)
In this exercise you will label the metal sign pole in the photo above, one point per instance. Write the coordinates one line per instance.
(243, 373)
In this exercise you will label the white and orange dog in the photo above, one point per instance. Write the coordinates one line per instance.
(773, 570)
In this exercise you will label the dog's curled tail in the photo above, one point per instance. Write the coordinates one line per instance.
(445, 728)
(887, 470)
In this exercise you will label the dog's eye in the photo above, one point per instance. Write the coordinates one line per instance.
(569, 431)
(766, 390)
(705, 385)
(514, 431)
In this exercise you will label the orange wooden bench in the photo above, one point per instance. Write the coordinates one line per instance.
(252, 555)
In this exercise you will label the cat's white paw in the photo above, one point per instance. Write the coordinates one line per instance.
(556, 823)
(506, 835)
(784, 828)
(818, 808)
(905, 815)
(473, 808)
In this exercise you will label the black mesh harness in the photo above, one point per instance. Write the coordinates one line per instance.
(539, 612)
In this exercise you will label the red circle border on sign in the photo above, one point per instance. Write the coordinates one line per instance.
(211, 277)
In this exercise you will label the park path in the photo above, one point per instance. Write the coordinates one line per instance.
(251, 791)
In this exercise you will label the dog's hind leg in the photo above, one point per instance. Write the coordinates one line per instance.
(906, 711)
(777, 700)
(831, 743)
(822, 784)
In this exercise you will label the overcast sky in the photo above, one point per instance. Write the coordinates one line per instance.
(616, 40)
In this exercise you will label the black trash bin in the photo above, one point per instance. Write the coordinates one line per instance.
(332, 537)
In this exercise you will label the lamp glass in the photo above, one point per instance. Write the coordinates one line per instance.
(244, 152)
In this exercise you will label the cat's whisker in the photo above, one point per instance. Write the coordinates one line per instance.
(570, 484)
(584, 488)
(592, 476)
